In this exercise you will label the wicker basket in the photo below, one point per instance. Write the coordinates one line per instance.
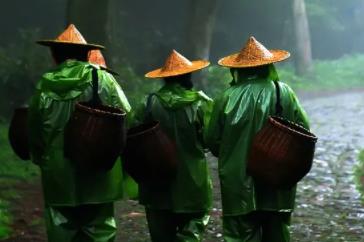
(18, 133)
(150, 155)
(282, 153)
(95, 137)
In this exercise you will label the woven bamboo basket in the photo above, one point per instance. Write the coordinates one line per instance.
(150, 156)
(18, 133)
(95, 136)
(282, 153)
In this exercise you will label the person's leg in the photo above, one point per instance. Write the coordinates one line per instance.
(276, 227)
(60, 224)
(191, 226)
(243, 228)
(162, 225)
(96, 223)
(86, 223)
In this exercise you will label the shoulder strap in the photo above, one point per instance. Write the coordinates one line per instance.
(279, 108)
(148, 108)
(95, 100)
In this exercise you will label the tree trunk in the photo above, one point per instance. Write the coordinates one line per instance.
(303, 57)
(91, 18)
(201, 22)
(200, 27)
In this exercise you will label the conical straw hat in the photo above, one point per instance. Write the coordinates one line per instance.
(254, 54)
(71, 36)
(176, 64)
(96, 57)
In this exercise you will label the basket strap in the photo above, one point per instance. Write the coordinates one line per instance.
(95, 100)
(279, 108)
(148, 108)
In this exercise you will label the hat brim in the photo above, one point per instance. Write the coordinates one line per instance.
(50, 43)
(160, 73)
(233, 61)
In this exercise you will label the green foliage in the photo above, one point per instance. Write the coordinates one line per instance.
(324, 13)
(5, 220)
(12, 170)
(335, 75)
(20, 67)
(359, 174)
(218, 79)
(136, 87)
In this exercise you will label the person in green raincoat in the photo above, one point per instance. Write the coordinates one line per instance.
(78, 205)
(179, 211)
(251, 211)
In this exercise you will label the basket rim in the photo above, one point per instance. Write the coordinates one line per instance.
(153, 126)
(85, 108)
(274, 120)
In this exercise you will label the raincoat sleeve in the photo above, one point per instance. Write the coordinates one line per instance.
(116, 96)
(204, 116)
(299, 114)
(36, 142)
(213, 133)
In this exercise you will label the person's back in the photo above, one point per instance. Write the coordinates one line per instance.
(79, 204)
(52, 106)
(238, 115)
(179, 210)
(182, 115)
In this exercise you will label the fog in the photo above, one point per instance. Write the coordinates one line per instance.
(326, 42)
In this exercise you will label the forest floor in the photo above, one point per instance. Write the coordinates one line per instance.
(329, 208)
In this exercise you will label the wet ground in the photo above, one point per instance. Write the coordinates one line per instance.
(328, 204)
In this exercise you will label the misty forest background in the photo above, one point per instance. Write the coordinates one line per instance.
(325, 38)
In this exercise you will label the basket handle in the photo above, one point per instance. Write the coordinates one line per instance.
(95, 100)
(279, 108)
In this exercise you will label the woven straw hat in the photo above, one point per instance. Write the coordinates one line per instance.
(71, 36)
(96, 57)
(254, 54)
(176, 64)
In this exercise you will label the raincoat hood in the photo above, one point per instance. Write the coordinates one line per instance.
(174, 96)
(67, 81)
(263, 73)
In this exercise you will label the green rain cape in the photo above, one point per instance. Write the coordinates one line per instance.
(50, 109)
(183, 114)
(238, 115)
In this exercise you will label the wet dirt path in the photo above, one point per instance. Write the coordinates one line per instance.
(328, 205)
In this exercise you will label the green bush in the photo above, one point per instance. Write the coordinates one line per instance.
(359, 174)
(333, 75)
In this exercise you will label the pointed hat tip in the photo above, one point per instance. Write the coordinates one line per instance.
(96, 57)
(174, 52)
